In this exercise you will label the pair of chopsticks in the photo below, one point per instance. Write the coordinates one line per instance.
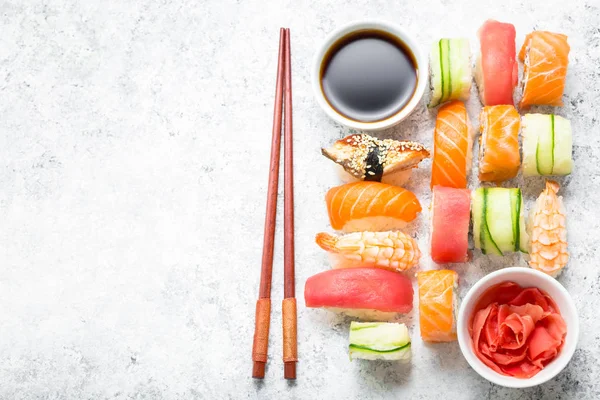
(283, 102)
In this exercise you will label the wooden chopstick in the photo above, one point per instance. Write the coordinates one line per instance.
(288, 310)
(263, 304)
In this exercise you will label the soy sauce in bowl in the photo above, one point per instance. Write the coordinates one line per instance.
(368, 75)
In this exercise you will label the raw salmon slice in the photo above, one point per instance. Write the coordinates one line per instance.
(499, 157)
(452, 146)
(437, 301)
(545, 56)
(370, 206)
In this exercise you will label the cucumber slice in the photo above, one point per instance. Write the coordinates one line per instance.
(563, 146)
(481, 231)
(530, 125)
(476, 217)
(523, 235)
(447, 68)
(461, 73)
(544, 152)
(499, 219)
(515, 209)
(379, 341)
(450, 71)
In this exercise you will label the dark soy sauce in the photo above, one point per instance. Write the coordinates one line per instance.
(368, 75)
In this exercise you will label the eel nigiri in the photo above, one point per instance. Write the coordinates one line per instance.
(450, 209)
(545, 57)
(367, 293)
(498, 220)
(450, 71)
(499, 157)
(361, 157)
(437, 302)
(453, 146)
(392, 249)
(388, 341)
(547, 145)
(547, 224)
(370, 206)
(496, 70)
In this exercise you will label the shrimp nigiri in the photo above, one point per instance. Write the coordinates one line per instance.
(391, 250)
(548, 232)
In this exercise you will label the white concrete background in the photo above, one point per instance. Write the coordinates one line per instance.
(134, 143)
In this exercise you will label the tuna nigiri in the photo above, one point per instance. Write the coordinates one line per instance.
(392, 249)
(545, 57)
(450, 209)
(437, 302)
(548, 232)
(362, 157)
(452, 148)
(499, 158)
(369, 293)
(370, 206)
(496, 70)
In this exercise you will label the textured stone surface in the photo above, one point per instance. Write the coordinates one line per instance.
(134, 142)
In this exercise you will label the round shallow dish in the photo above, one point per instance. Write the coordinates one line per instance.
(400, 34)
(525, 277)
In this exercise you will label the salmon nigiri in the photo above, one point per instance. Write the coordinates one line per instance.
(452, 146)
(392, 250)
(437, 302)
(369, 293)
(496, 70)
(370, 206)
(545, 57)
(499, 158)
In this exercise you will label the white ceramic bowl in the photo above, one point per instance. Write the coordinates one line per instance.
(399, 33)
(525, 277)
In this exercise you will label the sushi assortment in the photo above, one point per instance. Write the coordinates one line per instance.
(373, 259)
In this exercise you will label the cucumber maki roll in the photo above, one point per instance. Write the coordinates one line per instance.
(498, 222)
(547, 145)
(450, 71)
(379, 341)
